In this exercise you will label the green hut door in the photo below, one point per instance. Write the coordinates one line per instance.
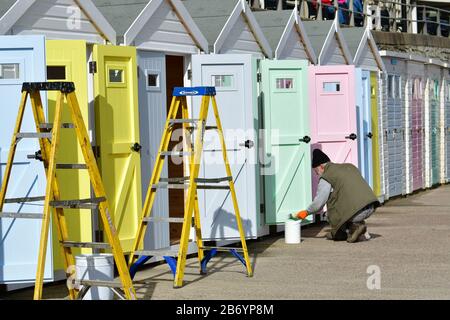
(287, 161)
(435, 133)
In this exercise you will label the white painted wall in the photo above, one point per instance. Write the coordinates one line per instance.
(294, 49)
(165, 32)
(242, 40)
(334, 54)
(57, 19)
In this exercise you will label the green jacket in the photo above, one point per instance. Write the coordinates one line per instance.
(351, 194)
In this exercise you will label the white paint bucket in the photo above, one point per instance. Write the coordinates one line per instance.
(292, 232)
(96, 267)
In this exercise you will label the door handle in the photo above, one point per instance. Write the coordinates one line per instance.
(305, 139)
(249, 144)
(370, 135)
(136, 147)
(352, 137)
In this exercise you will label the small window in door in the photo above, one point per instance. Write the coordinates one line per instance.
(223, 81)
(436, 89)
(432, 94)
(390, 86)
(153, 80)
(9, 71)
(331, 87)
(285, 83)
(116, 76)
(398, 86)
(56, 72)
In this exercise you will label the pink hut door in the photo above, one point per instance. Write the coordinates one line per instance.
(333, 114)
(417, 134)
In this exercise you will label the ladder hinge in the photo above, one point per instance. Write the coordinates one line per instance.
(259, 77)
(262, 208)
(96, 150)
(92, 67)
(189, 74)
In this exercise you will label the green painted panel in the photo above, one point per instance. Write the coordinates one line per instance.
(287, 170)
(435, 163)
(434, 127)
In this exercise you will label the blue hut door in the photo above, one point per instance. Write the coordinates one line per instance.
(22, 59)
(447, 128)
(394, 134)
(152, 117)
(364, 115)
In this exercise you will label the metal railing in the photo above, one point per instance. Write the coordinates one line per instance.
(391, 15)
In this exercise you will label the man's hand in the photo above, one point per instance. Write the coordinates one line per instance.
(300, 215)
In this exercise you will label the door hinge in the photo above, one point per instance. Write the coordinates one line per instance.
(262, 208)
(92, 67)
(99, 236)
(259, 77)
(189, 74)
(96, 150)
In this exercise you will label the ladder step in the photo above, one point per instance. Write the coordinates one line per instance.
(92, 245)
(170, 186)
(214, 180)
(175, 154)
(186, 187)
(182, 121)
(64, 87)
(167, 252)
(163, 220)
(78, 204)
(222, 249)
(98, 283)
(10, 215)
(198, 180)
(212, 187)
(49, 126)
(25, 200)
(71, 166)
(207, 128)
(34, 135)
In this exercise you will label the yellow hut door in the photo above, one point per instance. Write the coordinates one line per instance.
(117, 135)
(66, 61)
(375, 125)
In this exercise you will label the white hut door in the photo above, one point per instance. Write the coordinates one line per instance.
(22, 59)
(218, 218)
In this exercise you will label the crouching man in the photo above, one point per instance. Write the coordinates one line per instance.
(349, 199)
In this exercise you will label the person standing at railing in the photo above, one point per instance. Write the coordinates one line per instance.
(358, 8)
(328, 10)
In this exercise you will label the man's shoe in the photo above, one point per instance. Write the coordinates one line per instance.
(356, 231)
(338, 237)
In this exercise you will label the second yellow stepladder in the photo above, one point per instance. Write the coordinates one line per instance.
(177, 259)
(49, 135)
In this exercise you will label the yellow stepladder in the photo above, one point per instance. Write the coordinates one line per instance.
(177, 259)
(49, 137)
